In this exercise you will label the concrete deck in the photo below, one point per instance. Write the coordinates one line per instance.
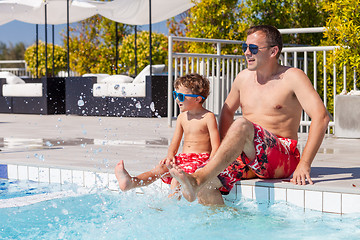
(98, 143)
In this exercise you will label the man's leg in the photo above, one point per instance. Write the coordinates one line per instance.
(210, 194)
(239, 138)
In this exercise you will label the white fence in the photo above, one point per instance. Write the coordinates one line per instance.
(22, 71)
(18, 71)
(221, 70)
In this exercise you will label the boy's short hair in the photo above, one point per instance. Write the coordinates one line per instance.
(198, 84)
(273, 36)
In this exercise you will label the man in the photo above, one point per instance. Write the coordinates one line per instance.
(261, 143)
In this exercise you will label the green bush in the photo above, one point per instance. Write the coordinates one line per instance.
(343, 29)
(60, 60)
(127, 51)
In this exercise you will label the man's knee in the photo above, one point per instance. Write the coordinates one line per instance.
(243, 127)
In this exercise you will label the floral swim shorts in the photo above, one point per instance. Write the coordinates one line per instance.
(274, 154)
(189, 162)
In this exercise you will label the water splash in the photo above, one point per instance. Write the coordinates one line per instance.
(80, 103)
(39, 156)
(152, 106)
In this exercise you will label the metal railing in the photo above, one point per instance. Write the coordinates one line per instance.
(22, 71)
(221, 70)
(18, 71)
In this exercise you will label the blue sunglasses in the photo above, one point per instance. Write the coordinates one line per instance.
(254, 49)
(182, 96)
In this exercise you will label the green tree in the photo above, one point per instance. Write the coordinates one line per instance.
(12, 52)
(214, 19)
(288, 14)
(127, 51)
(343, 30)
(92, 45)
(59, 59)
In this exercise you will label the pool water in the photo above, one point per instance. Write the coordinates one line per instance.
(13, 188)
(101, 214)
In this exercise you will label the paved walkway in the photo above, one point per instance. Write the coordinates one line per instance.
(98, 143)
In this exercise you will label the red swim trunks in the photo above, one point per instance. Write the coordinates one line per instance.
(189, 162)
(274, 154)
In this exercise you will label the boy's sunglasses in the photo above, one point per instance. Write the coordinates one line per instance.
(182, 96)
(254, 49)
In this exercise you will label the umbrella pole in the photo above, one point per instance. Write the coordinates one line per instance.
(116, 47)
(53, 50)
(68, 38)
(150, 38)
(37, 51)
(46, 73)
(135, 50)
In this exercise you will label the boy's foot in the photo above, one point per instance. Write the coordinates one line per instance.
(123, 177)
(188, 183)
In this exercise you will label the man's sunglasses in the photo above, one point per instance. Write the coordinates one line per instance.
(182, 96)
(254, 49)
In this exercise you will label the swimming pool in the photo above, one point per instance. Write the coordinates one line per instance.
(102, 214)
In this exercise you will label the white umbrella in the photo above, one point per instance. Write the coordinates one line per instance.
(133, 12)
(136, 12)
(33, 11)
(10, 10)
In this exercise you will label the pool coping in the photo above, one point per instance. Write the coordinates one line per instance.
(143, 142)
(308, 197)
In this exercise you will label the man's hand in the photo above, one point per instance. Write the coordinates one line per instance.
(301, 174)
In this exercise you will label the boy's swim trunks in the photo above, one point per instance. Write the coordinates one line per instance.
(274, 154)
(189, 162)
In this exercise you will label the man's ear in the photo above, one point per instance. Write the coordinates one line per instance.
(274, 50)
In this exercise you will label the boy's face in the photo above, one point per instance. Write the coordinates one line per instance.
(189, 103)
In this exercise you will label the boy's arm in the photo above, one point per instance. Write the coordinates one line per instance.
(175, 142)
(214, 133)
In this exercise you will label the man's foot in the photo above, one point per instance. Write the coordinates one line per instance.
(188, 183)
(123, 177)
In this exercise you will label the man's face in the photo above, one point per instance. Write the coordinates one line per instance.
(262, 50)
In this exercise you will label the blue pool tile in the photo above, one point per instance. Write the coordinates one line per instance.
(3, 171)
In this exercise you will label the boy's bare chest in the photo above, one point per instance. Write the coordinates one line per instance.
(195, 127)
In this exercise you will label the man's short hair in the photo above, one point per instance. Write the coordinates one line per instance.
(198, 84)
(273, 35)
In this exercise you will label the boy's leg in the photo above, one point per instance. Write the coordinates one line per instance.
(126, 182)
(175, 189)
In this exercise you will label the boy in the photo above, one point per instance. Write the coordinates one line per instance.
(201, 136)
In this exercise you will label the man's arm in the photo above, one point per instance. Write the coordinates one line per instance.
(314, 107)
(232, 103)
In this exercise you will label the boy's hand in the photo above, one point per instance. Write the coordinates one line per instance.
(167, 160)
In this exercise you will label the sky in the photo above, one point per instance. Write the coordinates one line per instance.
(16, 31)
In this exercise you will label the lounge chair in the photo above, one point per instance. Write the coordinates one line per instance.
(117, 95)
(32, 96)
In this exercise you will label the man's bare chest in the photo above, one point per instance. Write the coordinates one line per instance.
(270, 97)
